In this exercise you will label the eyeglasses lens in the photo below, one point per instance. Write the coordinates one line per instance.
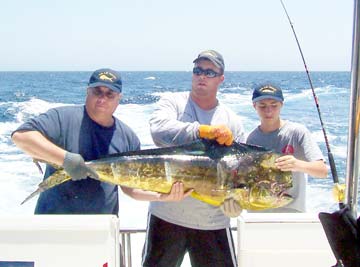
(208, 72)
(98, 93)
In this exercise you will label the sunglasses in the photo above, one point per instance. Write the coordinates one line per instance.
(208, 72)
(96, 91)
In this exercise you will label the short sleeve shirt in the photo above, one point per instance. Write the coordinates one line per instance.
(72, 129)
(295, 139)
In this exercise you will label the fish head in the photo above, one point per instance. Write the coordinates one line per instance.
(256, 199)
(254, 180)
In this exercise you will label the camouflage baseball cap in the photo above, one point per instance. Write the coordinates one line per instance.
(214, 57)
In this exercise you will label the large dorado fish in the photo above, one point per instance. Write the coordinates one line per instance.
(244, 172)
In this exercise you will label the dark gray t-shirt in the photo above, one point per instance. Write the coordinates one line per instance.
(72, 129)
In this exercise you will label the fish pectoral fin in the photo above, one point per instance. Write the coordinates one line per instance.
(36, 161)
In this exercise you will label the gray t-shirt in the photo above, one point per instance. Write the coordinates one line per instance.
(175, 121)
(72, 129)
(291, 138)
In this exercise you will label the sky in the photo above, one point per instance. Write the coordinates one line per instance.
(166, 35)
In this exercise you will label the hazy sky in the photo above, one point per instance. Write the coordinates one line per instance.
(168, 35)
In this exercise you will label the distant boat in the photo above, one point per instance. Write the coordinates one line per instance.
(150, 78)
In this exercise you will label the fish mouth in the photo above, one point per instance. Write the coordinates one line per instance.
(241, 186)
(263, 202)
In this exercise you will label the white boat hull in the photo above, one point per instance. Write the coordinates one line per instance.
(60, 240)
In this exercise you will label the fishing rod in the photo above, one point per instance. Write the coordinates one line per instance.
(330, 155)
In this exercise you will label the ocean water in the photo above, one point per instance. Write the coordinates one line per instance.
(27, 94)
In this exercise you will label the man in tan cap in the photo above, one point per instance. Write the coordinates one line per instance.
(180, 224)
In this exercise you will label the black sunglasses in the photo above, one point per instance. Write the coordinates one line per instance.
(208, 72)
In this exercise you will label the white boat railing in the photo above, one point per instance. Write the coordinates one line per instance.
(125, 247)
(263, 239)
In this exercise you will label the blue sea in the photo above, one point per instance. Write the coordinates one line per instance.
(27, 94)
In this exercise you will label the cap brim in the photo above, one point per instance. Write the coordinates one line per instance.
(211, 59)
(110, 86)
(267, 97)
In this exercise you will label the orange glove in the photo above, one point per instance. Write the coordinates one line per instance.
(220, 133)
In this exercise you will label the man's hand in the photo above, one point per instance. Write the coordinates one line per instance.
(176, 193)
(231, 208)
(75, 166)
(221, 133)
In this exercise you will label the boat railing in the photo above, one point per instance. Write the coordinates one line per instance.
(259, 238)
(125, 244)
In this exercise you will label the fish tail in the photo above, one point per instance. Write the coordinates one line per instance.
(38, 191)
(58, 177)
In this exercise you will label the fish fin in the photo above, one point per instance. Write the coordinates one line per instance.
(36, 162)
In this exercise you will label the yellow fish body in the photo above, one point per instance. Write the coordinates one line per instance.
(244, 172)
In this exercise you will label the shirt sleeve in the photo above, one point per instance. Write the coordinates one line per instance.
(312, 150)
(48, 124)
(165, 125)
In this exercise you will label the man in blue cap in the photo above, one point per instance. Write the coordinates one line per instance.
(70, 135)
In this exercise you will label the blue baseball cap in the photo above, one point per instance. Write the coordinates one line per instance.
(108, 78)
(267, 92)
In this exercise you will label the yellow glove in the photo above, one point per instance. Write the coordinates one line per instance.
(221, 133)
(231, 208)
